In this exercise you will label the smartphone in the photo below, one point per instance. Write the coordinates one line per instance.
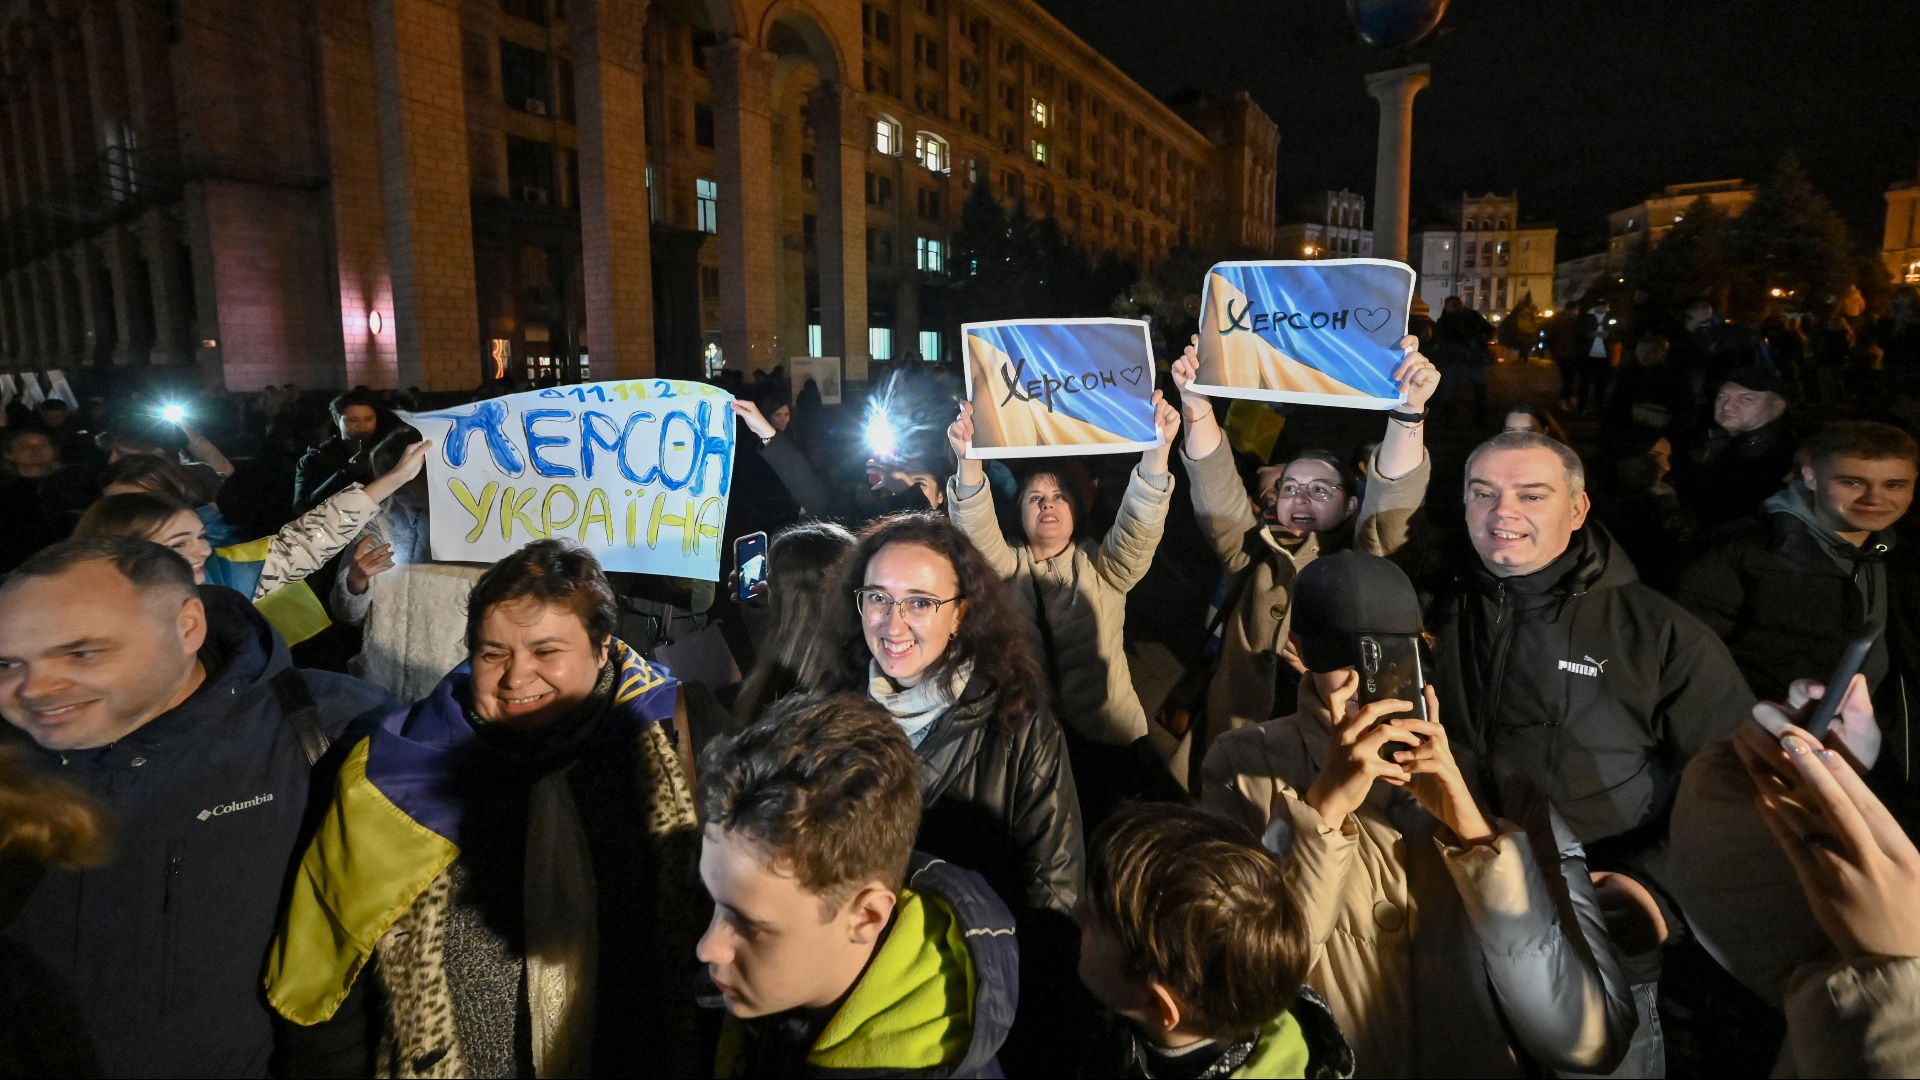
(750, 565)
(1389, 667)
(1850, 662)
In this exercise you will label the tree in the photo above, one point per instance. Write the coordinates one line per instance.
(1008, 264)
(1790, 239)
(1690, 261)
(1168, 296)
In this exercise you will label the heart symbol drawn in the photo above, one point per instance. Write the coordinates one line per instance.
(1133, 375)
(1371, 318)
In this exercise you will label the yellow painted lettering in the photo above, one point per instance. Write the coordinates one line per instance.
(479, 507)
(553, 524)
(596, 510)
(514, 506)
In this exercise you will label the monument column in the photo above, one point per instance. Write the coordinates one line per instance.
(1393, 172)
(743, 130)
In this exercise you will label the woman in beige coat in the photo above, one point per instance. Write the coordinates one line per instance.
(1076, 593)
(1446, 942)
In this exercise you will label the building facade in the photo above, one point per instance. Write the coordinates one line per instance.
(1489, 258)
(1332, 226)
(1900, 242)
(432, 192)
(1650, 220)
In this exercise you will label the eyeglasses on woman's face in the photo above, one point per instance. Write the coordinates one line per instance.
(1316, 490)
(877, 606)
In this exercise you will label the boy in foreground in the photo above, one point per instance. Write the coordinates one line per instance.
(1187, 930)
(834, 946)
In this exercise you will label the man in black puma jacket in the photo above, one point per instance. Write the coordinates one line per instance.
(1558, 664)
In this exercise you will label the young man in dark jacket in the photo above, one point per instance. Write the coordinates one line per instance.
(177, 709)
(1789, 587)
(835, 948)
(343, 458)
(1558, 664)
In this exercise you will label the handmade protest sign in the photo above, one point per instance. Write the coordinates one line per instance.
(637, 472)
(1322, 333)
(1055, 387)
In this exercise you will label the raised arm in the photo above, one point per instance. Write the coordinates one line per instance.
(309, 541)
(788, 463)
(970, 504)
(1127, 551)
(1220, 501)
(1403, 447)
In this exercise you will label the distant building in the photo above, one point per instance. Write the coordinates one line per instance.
(1575, 277)
(1490, 259)
(1900, 246)
(1332, 226)
(1662, 211)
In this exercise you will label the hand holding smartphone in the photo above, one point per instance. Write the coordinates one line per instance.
(1850, 664)
(1389, 668)
(750, 565)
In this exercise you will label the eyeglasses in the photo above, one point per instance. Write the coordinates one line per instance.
(876, 606)
(1317, 491)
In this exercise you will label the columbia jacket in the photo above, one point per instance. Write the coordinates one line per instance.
(164, 945)
(1786, 594)
(1260, 573)
(1586, 682)
(1437, 958)
(935, 1001)
(1080, 596)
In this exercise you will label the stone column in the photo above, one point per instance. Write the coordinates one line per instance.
(1393, 171)
(427, 190)
(615, 233)
(743, 133)
(160, 237)
(130, 309)
(95, 313)
(840, 219)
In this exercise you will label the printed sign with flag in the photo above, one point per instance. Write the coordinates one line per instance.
(1321, 333)
(637, 472)
(1058, 387)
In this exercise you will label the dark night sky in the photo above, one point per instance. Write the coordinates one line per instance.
(1583, 106)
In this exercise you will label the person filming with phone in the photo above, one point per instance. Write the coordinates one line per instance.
(1449, 941)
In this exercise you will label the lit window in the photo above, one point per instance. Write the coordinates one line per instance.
(1039, 152)
(930, 255)
(880, 343)
(1913, 272)
(653, 197)
(706, 198)
(929, 345)
(931, 150)
(1039, 109)
(814, 340)
(886, 136)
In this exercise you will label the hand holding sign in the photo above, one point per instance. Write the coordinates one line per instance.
(1321, 333)
(1052, 387)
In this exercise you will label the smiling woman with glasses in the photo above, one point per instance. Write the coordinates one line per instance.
(917, 620)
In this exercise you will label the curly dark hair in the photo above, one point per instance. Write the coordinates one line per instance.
(994, 634)
(555, 572)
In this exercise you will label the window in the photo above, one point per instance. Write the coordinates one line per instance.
(1038, 110)
(806, 171)
(653, 196)
(1039, 152)
(702, 124)
(880, 343)
(814, 339)
(710, 282)
(1011, 184)
(706, 199)
(929, 345)
(882, 27)
(926, 53)
(879, 247)
(879, 190)
(969, 75)
(928, 203)
(886, 136)
(1503, 224)
(929, 255)
(1913, 272)
(529, 170)
(1007, 95)
(524, 79)
(534, 11)
(809, 231)
(926, 100)
(1486, 249)
(1485, 225)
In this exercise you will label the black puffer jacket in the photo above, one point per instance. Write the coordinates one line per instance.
(1736, 473)
(1777, 593)
(164, 945)
(1002, 803)
(1585, 680)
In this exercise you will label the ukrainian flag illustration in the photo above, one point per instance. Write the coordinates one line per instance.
(1059, 387)
(1322, 333)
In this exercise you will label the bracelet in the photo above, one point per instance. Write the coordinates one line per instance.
(1411, 419)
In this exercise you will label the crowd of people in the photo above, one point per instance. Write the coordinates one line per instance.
(1240, 758)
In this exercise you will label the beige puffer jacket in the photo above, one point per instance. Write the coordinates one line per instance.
(1438, 959)
(1085, 592)
(1262, 571)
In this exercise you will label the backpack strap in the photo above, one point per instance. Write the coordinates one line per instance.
(302, 713)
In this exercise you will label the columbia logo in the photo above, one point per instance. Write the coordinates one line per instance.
(235, 807)
(1592, 669)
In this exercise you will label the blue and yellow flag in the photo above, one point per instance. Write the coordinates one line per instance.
(1054, 387)
(1321, 333)
(406, 796)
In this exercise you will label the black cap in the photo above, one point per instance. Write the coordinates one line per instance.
(1754, 377)
(1338, 596)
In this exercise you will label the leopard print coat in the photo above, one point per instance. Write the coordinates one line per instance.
(419, 1038)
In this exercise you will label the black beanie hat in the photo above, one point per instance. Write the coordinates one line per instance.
(1338, 596)
(1754, 377)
